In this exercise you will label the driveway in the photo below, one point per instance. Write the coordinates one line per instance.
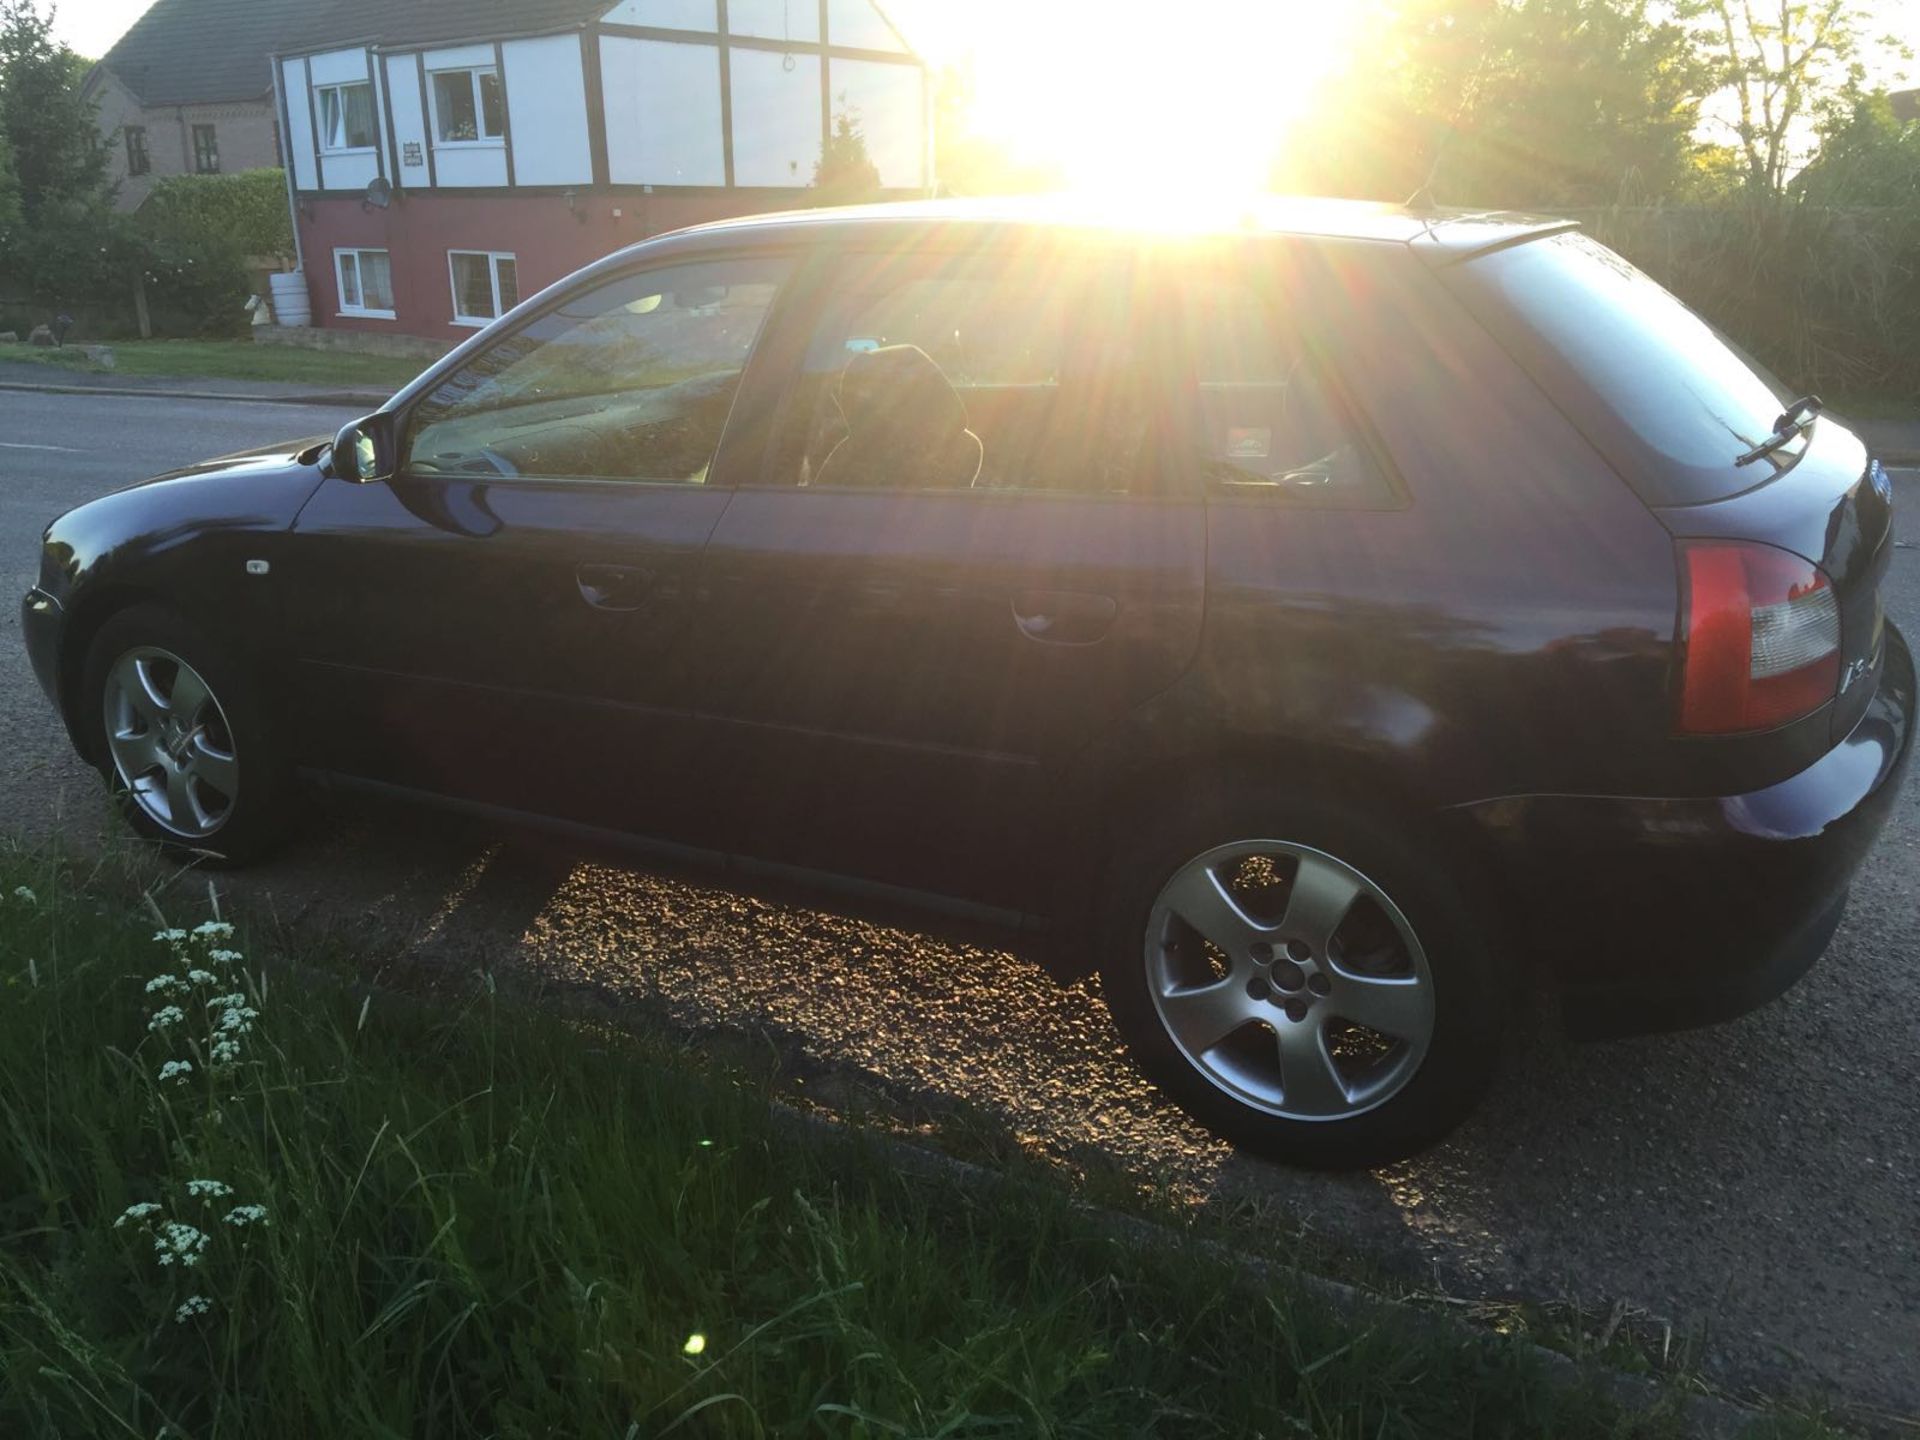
(1758, 1183)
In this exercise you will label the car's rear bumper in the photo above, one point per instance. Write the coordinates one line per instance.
(40, 620)
(1659, 914)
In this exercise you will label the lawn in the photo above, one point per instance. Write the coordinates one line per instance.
(244, 1196)
(233, 360)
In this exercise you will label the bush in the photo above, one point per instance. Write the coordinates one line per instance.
(247, 210)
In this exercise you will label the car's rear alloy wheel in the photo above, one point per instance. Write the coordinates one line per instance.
(1328, 996)
(170, 742)
(1289, 980)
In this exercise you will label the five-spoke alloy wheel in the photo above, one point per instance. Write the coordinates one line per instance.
(1289, 979)
(1302, 972)
(171, 745)
(179, 722)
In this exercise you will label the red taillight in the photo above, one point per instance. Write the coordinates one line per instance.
(1761, 631)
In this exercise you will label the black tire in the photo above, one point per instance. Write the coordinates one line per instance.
(257, 817)
(1472, 990)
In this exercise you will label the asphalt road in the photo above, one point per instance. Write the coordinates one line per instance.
(1758, 1183)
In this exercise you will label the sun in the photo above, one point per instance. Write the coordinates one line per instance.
(1177, 98)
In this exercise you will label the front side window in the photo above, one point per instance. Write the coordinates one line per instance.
(366, 282)
(972, 375)
(632, 380)
(1267, 423)
(346, 116)
(138, 162)
(206, 150)
(486, 284)
(467, 106)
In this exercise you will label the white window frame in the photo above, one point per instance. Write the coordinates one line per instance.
(493, 259)
(481, 139)
(360, 308)
(320, 117)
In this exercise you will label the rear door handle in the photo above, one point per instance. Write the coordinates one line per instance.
(1064, 617)
(613, 587)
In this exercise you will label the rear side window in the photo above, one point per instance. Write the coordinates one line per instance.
(1266, 422)
(1666, 397)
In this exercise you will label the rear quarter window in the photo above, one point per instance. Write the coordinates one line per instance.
(1666, 397)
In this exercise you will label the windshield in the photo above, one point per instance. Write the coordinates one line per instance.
(1670, 400)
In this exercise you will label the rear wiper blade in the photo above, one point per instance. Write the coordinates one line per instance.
(1790, 426)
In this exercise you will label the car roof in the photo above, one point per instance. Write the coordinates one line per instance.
(1445, 232)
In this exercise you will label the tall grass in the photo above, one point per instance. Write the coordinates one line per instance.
(1828, 298)
(482, 1222)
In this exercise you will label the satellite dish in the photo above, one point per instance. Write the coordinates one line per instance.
(379, 193)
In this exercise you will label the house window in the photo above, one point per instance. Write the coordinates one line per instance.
(467, 106)
(366, 282)
(137, 161)
(346, 116)
(206, 150)
(486, 284)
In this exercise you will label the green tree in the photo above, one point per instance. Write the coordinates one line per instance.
(1780, 66)
(846, 174)
(9, 193)
(1509, 102)
(1867, 157)
(59, 160)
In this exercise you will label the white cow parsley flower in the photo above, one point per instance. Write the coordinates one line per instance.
(191, 1306)
(136, 1212)
(165, 1016)
(176, 1241)
(208, 1189)
(176, 1070)
(244, 1215)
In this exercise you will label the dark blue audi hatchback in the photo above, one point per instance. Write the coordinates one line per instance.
(1323, 624)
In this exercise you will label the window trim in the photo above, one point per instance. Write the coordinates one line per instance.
(211, 151)
(320, 112)
(359, 311)
(481, 140)
(493, 259)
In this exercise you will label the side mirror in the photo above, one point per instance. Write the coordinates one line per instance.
(365, 450)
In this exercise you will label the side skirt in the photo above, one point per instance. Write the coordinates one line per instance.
(872, 892)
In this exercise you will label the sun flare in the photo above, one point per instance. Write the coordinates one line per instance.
(1187, 99)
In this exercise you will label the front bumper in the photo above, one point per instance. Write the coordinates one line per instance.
(1661, 914)
(40, 622)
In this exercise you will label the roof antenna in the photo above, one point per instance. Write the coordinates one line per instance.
(1422, 199)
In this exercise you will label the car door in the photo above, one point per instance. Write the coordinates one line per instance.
(956, 568)
(505, 620)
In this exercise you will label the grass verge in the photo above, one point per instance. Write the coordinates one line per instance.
(238, 1197)
(230, 360)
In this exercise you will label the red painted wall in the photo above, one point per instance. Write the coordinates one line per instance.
(548, 241)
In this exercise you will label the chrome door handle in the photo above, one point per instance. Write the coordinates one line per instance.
(1064, 617)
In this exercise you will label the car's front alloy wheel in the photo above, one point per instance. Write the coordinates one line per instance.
(171, 745)
(180, 732)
